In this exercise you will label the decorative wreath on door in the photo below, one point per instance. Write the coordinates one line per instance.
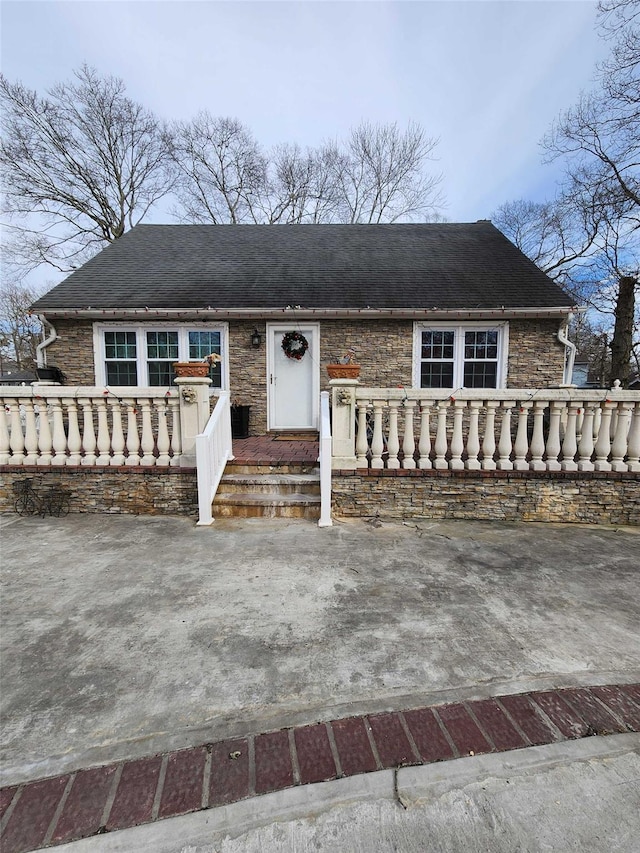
(294, 345)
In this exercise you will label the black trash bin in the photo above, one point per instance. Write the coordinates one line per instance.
(240, 421)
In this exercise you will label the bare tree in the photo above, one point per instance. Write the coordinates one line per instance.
(20, 331)
(589, 237)
(378, 175)
(382, 175)
(222, 172)
(80, 166)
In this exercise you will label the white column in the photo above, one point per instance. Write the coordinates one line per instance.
(489, 441)
(163, 432)
(522, 439)
(45, 441)
(16, 435)
(59, 437)
(343, 423)
(424, 445)
(5, 447)
(504, 444)
(74, 441)
(104, 439)
(117, 433)
(30, 433)
(457, 443)
(362, 440)
(408, 443)
(619, 446)
(194, 414)
(393, 443)
(570, 443)
(473, 439)
(537, 439)
(176, 445)
(146, 440)
(585, 447)
(553, 439)
(441, 445)
(377, 443)
(603, 444)
(88, 432)
(132, 443)
(633, 444)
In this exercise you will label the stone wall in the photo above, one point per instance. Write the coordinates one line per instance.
(139, 491)
(536, 356)
(594, 498)
(384, 348)
(72, 351)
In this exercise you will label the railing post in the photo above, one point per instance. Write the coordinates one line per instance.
(325, 462)
(619, 445)
(633, 446)
(194, 414)
(343, 423)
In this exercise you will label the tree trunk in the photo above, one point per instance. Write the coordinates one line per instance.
(621, 345)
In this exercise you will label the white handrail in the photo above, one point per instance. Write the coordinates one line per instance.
(213, 451)
(325, 462)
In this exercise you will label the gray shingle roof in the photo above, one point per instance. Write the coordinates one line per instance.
(446, 266)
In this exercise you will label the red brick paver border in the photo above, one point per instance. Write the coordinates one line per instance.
(128, 793)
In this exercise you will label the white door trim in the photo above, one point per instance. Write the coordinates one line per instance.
(313, 354)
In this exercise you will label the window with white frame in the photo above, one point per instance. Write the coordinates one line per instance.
(144, 355)
(448, 355)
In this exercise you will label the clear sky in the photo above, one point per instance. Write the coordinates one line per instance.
(486, 77)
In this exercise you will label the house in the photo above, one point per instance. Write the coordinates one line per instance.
(422, 305)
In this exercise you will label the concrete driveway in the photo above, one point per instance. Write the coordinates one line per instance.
(122, 636)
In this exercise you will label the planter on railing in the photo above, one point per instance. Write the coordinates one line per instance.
(343, 371)
(191, 368)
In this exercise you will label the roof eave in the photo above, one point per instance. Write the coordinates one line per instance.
(300, 313)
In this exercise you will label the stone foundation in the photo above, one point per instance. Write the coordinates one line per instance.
(594, 498)
(143, 491)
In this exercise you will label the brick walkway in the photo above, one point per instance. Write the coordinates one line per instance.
(266, 450)
(128, 793)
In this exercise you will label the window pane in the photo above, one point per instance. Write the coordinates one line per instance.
(481, 344)
(436, 374)
(162, 345)
(480, 374)
(202, 344)
(120, 345)
(437, 344)
(160, 373)
(121, 373)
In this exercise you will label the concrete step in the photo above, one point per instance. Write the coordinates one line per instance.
(272, 468)
(266, 505)
(282, 484)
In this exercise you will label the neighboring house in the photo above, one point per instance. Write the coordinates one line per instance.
(17, 377)
(422, 305)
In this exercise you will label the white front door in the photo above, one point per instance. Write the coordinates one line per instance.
(294, 385)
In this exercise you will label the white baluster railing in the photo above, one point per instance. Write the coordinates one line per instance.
(213, 451)
(513, 429)
(67, 426)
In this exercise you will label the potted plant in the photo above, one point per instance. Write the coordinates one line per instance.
(345, 367)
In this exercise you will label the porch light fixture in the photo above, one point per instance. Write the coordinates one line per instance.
(256, 339)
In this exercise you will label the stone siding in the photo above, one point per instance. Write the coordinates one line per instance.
(594, 498)
(143, 491)
(72, 351)
(536, 356)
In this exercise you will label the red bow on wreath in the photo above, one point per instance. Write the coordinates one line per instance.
(294, 345)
